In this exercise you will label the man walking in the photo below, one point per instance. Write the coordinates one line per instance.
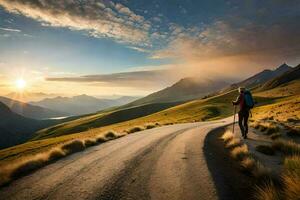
(245, 101)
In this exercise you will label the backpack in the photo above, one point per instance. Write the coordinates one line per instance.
(248, 99)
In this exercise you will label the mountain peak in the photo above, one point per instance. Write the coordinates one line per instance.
(284, 67)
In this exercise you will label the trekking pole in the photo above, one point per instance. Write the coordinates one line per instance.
(233, 119)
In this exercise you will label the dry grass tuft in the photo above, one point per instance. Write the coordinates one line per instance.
(287, 147)
(150, 126)
(240, 152)
(248, 164)
(100, 139)
(234, 142)
(90, 142)
(111, 135)
(73, 146)
(135, 129)
(267, 192)
(261, 172)
(227, 136)
(27, 166)
(56, 154)
(265, 149)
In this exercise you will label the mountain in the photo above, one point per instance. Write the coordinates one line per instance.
(261, 78)
(82, 104)
(29, 96)
(185, 89)
(14, 128)
(291, 75)
(30, 111)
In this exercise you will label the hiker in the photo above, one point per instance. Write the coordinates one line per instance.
(246, 102)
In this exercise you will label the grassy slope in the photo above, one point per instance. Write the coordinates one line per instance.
(199, 110)
(101, 119)
(283, 109)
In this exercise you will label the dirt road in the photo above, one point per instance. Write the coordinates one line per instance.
(163, 163)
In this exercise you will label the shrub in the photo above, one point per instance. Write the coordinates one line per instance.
(135, 129)
(287, 147)
(110, 135)
(90, 142)
(73, 146)
(240, 152)
(265, 149)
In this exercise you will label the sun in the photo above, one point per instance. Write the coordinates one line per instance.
(21, 84)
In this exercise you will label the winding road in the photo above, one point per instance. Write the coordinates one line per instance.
(165, 163)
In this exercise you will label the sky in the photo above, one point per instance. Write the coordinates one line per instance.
(135, 47)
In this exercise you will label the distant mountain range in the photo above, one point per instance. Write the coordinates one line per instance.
(261, 78)
(15, 129)
(184, 90)
(30, 111)
(83, 104)
(286, 77)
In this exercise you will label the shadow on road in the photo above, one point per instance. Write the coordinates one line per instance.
(229, 181)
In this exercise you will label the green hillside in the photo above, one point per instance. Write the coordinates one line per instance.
(101, 119)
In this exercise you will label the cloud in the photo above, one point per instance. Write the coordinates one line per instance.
(99, 18)
(10, 29)
(134, 79)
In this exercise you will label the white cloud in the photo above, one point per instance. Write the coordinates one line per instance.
(99, 18)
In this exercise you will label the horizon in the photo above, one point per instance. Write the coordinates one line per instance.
(122, 48)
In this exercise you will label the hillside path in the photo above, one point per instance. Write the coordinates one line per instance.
(161, 164)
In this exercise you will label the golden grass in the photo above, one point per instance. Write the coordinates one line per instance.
(135, 129)
(111, 135)
(290, 188)
(248, 164)
(240, 152)
(234, 142)
(90, 142)
(288, 147)
(73, 146)
(267, 192)
(150, 126)
(227, 136)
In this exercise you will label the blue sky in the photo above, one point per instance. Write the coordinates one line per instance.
(60, 42)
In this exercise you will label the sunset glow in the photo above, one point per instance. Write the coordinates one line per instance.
(21, 84)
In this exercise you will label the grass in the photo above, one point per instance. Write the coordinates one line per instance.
(232, 143)
(73, 146)
(265, 149)
(227, 136)
(111, 135)
(286, 146)
(267, 192)
(289, 189)
(291, 177)
(240, 152)
(90, 142)
(150, 126)
(135, 129)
